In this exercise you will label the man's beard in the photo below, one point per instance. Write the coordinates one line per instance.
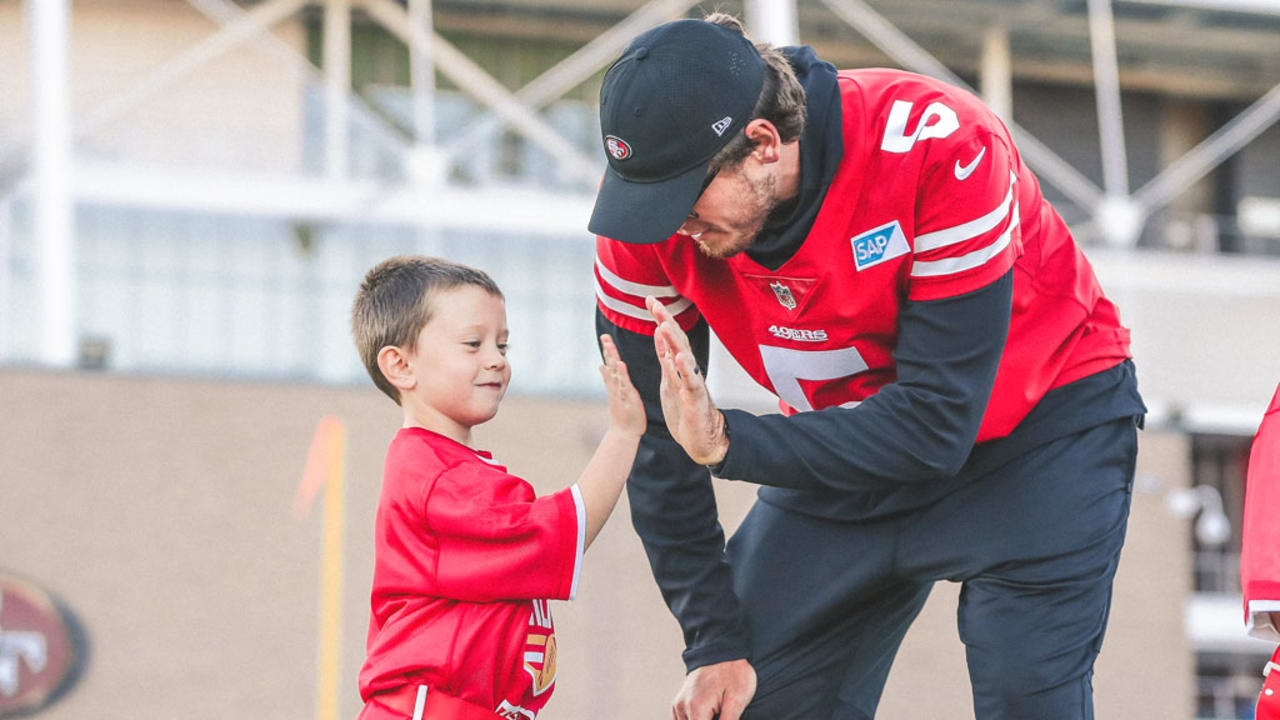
(762, 196)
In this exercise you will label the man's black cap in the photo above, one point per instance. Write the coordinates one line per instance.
(679, 94)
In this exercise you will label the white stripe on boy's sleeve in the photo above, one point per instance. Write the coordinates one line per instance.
(581, 507)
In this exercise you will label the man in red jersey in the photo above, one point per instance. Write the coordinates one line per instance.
(957, 400)
(1260, 555)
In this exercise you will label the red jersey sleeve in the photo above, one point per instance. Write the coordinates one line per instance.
(967, 221)
(625, 274)
(1260, 556)
(503, 544)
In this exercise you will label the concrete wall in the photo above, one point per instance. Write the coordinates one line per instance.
(159, 510)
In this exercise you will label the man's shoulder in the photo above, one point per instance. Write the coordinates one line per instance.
(886, 98)
(888, 83)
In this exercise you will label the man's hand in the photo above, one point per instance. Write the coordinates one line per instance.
(691, 416)
(725, 688)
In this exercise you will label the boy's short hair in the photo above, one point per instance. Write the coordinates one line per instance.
(393, 304)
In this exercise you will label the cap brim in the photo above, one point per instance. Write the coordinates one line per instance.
(645, 212)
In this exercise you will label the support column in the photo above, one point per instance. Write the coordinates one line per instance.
(53, 214)
(337, 75)
(426, 161)
(773, 21)
(422, 73)
(1189, 222)
(996, 72)
(1106, 79)
(6, 283)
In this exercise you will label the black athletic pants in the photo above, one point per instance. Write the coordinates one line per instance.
(1034, 542)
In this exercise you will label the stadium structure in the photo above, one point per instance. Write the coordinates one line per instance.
(190, 191)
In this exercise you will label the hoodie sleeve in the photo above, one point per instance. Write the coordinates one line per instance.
(919, 428)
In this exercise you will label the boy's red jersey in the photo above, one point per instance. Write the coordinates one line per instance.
(466, 559)
(930, 201)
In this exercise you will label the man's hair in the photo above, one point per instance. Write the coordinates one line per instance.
(394, 304)
(781, 100)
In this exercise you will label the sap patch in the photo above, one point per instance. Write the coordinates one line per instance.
(878, 245)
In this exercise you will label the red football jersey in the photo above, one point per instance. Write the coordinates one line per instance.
(1260, 556)
(931, 200)
(466, 558)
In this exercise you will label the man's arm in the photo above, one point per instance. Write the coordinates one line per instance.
(918, 428)
(673, 509)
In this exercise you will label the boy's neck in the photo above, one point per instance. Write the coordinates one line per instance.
(428, 418)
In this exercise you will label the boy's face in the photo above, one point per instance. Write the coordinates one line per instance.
(460, 361)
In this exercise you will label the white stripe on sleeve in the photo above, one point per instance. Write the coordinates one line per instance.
(582, 538)
(1259, 625)
(965, 231)
(626, 308)
(968, 261)
(969, 230)
(634, 288)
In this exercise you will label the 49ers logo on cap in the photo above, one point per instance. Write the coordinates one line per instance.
(617, 147)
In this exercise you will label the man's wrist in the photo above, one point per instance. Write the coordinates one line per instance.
(716, 462)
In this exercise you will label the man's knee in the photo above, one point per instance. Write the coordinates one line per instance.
(1018, 696)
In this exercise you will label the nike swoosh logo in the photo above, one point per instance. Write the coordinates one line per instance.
(963, 172)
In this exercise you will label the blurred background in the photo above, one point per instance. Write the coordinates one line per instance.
(191, 190)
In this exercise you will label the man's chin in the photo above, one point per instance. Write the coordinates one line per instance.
(723, 251)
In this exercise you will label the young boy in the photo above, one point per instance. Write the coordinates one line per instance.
(466, 556)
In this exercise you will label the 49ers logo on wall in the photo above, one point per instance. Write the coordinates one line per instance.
(39, 657)
(617, 147)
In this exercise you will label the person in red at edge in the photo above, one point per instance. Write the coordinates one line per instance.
(466, 555)
(1260, 557)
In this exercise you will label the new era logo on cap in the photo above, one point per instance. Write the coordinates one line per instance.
(721, 125)
(617, 147)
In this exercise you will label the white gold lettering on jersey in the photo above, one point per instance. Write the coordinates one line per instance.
(540, 648)
(787, 333)
(514, 712)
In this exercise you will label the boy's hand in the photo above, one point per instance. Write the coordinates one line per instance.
(691, 416)
(626, 411)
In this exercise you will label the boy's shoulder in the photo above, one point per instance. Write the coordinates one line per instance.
(426, 454)
(427, 449)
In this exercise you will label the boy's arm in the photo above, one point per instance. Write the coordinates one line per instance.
(673, 509)
(602, 480)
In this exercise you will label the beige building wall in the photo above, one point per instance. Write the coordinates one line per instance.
(159, 510)
(210, 118)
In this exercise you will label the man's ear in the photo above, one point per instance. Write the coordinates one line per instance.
(396, 368)
(766, 139)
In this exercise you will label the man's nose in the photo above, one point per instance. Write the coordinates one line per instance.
(691, 226)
